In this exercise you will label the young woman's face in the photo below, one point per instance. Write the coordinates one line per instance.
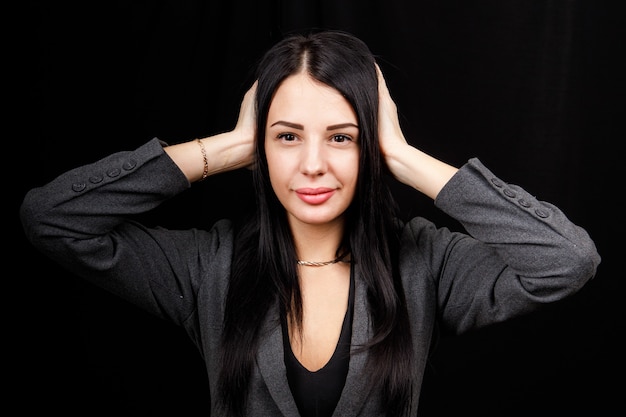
(312, 148)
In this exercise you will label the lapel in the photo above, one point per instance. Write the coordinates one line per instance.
(272, 365)
(355, 393)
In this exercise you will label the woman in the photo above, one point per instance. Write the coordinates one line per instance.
(322, 302)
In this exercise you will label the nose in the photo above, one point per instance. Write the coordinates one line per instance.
(313, 158)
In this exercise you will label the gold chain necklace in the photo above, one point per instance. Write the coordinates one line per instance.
(324, 263)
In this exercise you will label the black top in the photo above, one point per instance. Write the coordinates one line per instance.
(317, 393)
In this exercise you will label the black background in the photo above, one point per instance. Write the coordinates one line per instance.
(533, 88)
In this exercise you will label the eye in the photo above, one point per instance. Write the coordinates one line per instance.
(341, 138)
(287, 137)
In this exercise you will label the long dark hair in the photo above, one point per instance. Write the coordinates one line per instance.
(264, 273)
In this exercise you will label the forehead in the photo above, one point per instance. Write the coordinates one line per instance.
(300, 97)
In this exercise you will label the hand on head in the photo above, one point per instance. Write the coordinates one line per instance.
(390, 133)
(246, 122)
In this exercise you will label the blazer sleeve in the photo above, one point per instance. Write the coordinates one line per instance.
(519, 253)
(83, 220)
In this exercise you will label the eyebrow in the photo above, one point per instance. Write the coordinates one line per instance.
(288, 124)
(341, 126)
(301, 127)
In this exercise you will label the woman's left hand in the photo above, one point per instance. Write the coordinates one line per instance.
(406, 163)
(391, 137)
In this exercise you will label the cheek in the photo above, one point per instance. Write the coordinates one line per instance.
(350, 170)
(277, 168)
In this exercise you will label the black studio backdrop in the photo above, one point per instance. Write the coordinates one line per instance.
(532, 88)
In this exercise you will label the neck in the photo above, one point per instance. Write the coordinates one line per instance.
(317, 243)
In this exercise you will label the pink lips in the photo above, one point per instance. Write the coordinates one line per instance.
(315, 195)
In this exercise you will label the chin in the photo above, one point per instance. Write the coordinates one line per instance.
(318, 219)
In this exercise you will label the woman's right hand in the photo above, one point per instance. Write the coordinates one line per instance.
(246, 124)
(222, 152)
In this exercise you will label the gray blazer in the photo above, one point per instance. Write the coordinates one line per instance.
(519, 253)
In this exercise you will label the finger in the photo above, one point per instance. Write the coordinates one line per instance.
(382, 84)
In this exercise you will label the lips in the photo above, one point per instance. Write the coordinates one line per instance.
(315, 195)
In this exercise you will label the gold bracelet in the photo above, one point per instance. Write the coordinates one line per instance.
(205, 173)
